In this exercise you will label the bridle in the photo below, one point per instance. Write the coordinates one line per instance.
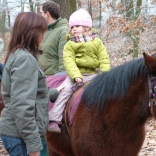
(152, 94)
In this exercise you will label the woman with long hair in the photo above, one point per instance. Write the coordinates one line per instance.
(25, 95)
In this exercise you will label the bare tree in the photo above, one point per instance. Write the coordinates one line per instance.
(31, 6)
(133, 13)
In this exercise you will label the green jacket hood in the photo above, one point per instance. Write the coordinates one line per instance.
(59, 23)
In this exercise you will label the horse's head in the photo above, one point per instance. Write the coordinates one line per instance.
(150, 62)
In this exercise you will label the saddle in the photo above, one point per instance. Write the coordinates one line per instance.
(73, 103)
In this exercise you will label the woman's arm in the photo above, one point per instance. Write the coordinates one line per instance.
(24, 85)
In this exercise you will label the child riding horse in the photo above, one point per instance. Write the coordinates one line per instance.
(112, 114)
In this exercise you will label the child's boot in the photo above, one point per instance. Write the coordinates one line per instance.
(53, 127)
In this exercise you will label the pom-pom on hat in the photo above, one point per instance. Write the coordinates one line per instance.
(80, 17)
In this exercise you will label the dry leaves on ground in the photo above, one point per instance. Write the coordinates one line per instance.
(2, 150)
(149, 146)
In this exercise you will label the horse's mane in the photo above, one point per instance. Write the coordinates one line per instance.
(113, 83)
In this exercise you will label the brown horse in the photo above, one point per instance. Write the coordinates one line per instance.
(112, 114)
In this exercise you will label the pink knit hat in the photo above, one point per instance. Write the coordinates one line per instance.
(80, 17)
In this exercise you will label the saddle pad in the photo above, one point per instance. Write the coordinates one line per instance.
(74, 104)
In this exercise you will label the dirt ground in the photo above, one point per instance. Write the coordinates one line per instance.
(149, 145)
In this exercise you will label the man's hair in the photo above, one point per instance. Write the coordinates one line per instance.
(52, 7)
(28, 28)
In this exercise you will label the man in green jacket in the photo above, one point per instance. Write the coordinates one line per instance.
(51, 60)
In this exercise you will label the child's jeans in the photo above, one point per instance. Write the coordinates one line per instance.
(14, 146)
(56, 113)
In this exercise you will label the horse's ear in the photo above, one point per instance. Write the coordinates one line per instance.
(150, 62)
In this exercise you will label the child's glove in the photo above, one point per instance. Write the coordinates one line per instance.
(79, 80)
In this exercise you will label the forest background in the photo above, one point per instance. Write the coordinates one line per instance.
(126, 27)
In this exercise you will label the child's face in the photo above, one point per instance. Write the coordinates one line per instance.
(77, 30)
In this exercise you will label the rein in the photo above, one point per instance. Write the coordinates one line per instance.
(152, 95)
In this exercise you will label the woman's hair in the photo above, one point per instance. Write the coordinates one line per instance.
(26, 33)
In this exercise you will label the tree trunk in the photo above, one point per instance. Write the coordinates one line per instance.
(132, 13)
(67, 7)
(31, 5)
(138, 6)
(9, 23)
